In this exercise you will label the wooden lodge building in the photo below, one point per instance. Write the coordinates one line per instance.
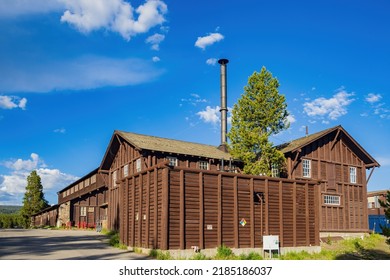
(167, 194)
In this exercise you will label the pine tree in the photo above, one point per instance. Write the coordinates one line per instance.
(386, 204)
(33, 200)
(259, 113)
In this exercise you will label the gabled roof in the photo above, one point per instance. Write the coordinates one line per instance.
(298, 144)
(159, 144)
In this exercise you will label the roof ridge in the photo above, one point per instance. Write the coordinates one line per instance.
(165, 138)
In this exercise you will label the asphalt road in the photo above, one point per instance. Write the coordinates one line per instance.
(43, 244)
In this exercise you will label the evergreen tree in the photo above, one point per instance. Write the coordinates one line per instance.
(34, 200)
(386, 204)
(259, 113)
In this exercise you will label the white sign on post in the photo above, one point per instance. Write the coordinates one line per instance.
(270, 243)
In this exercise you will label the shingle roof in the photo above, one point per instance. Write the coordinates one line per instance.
(300, 142)
(152, 143)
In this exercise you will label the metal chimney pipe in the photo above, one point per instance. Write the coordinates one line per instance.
(223, 62)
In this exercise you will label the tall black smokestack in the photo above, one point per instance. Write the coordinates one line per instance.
(223, 62)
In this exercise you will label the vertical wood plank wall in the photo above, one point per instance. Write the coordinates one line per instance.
(177, 208)
(331, 157)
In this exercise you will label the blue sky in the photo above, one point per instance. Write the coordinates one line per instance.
(72, 72)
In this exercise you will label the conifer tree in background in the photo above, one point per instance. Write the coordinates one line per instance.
(259, 113)
(386, 204)
(33, 200)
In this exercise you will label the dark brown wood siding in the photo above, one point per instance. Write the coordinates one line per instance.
(189, 207)
(331, 158)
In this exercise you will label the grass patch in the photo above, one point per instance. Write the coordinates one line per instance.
(159, 255)
(114, 240)
(224, 253)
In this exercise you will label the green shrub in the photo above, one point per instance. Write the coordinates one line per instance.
(163, 255)
(199, 257)
(251, 256)
(224, 253)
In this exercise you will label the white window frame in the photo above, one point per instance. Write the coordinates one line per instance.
(172, 161)
(83, 211)
(306, 168)
(275, 170)
(352, 175)
(114, 178)
(138, 166)
(204, 165)
(126, 170)
(332, 200)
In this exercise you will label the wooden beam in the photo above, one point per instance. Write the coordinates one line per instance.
(140, 214)
(164, 209)
(369, 176)
(147, 229)
(235, 213)
(132, 231)
(201, 211)
(155, 214)
(294, 214)
(266, 207)
(182, 211)
(252, 211)
(281, 233)
(335, 139)
(307, 215)
(219, 226)
(295, 162)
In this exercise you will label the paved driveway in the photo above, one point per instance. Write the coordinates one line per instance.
(43, 244)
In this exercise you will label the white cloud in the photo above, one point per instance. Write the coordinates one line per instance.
(20, 164)
(194, 100)
(155, 59)
(60, 130)
(211, 61)
(210, 115)
(114, 15)
(13, 184)
(155, 41)
(203, 42)
(14, 8)
(331, 108)
(12, 102)
(373, 98)
(87, 72)
(291, 119)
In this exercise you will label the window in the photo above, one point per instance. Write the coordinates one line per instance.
(306, 164)
(138, 165)
(114, 178)
(86, 182)
(352, 175)
(172, 161)
(275, 170)
(332, 199)
(203, 165)
(83, 211)
(126, 170)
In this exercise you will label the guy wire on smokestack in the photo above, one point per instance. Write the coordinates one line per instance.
(223, 62)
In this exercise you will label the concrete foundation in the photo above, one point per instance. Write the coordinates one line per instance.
(188, 253)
